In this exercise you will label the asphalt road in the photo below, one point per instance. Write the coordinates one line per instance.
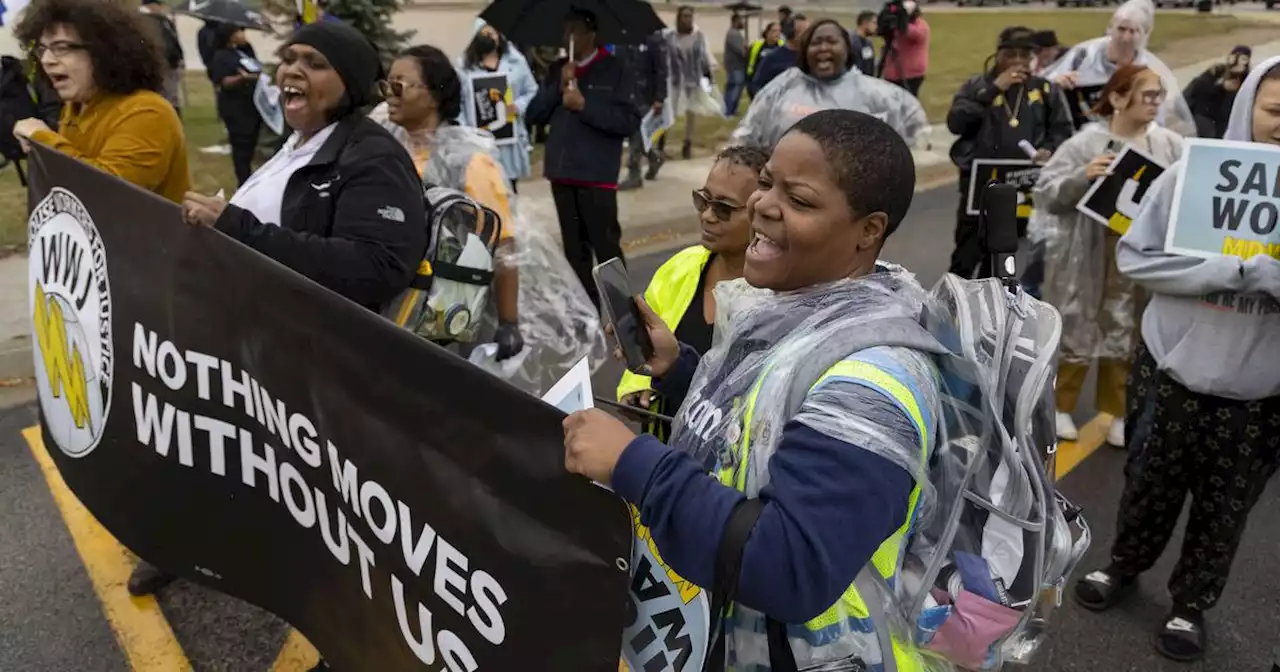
(51, 618)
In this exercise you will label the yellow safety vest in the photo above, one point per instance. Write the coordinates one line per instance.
(754, 56)
(886, 558)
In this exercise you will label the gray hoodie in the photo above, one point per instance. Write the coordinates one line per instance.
(1212, 324)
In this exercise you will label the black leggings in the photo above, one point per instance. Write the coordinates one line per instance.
(244, 144)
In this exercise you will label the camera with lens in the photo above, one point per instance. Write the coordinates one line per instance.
(893, 18)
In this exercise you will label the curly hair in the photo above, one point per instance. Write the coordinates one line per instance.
(747, 156)
(440, 77)
(123, 45)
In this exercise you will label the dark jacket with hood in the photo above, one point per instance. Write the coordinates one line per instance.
(585, 147)
(980, 115)
(350, 219)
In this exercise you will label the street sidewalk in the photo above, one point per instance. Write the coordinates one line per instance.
(658, 216)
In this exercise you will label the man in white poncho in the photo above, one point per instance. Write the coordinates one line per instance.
(825, 79)
(1086, 67)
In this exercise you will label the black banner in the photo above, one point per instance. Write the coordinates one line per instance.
(1113, 200)
(1021, 173)
(232, 422)
(490, 107)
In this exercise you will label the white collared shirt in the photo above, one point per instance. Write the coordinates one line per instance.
(263, 193)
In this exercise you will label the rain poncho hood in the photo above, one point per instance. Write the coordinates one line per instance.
(559, 323)
(1093, 69)
(794, 95)
(1081, 281)
(1194, 327)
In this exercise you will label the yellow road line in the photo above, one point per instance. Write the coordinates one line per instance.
(1092, 436)
(139, 625)
(297, 654)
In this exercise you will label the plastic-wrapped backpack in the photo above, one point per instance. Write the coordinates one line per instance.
(450, 290)
(982, 575)
(987, 564)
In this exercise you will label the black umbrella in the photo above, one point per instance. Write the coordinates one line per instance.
(224, 11)
(540, 23)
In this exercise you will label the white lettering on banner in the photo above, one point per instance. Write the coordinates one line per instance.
(472, 593)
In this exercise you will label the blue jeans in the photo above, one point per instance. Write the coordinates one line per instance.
(733, 88)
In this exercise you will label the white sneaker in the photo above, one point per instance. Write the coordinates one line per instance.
(1067, 427)
(1115, 435)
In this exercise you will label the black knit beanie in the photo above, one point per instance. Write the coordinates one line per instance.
(350, 54)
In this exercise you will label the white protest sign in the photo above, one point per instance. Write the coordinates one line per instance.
(1227, 200)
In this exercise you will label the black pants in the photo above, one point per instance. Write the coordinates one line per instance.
(244, 144)
(636, 153)
(912, 85)
(589, 226)
(970, 255)
(1221, 451)
(515, 189)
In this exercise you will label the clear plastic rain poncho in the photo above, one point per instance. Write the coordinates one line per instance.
(793, 95)
(689, 89)
(1081, 280)
(758, 330)
(559, 323)
(986, 490)
(1093, 68)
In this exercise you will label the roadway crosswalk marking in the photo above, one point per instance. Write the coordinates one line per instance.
(144, 634)
(140, 627)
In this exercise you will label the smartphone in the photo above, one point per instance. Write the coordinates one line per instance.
(622, 313)
(1114, 147)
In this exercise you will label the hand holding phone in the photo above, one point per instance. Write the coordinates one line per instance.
(647, 345)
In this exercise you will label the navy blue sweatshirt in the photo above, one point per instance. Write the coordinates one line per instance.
(771, 65)
(828, 506)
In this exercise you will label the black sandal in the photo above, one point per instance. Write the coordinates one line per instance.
(1182, 637)
(1102, 589)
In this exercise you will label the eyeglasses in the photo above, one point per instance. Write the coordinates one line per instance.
(722, 210)
(1154, 97)
(395, 88)
(59, 49)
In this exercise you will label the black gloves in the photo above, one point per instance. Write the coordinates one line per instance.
(509, 340)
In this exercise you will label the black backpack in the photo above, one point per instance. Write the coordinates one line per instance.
(20, 99)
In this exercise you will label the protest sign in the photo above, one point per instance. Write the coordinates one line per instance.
(489, 106)
(232, 422)
(1227, 200)
(1021, 173)
(1114, 200)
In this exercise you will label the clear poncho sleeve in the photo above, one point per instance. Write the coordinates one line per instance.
(559, 323)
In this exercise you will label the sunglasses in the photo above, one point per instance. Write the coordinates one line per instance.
(395, 88)
(722, 210)
(1154, 97)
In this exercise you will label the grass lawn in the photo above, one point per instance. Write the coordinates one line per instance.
(961, 43)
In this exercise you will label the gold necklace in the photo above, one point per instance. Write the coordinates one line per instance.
(1017, 107)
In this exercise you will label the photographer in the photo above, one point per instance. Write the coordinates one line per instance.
(990, 115)
(1212, 93)
(906, 45)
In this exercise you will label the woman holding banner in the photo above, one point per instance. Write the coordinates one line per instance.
(1204, 397)
(488, 54)
(837, 474)
(1081, 280)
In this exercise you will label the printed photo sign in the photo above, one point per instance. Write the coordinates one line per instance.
(1227, 201)
(1114, 200)
(489, 106)
(1021, 173)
